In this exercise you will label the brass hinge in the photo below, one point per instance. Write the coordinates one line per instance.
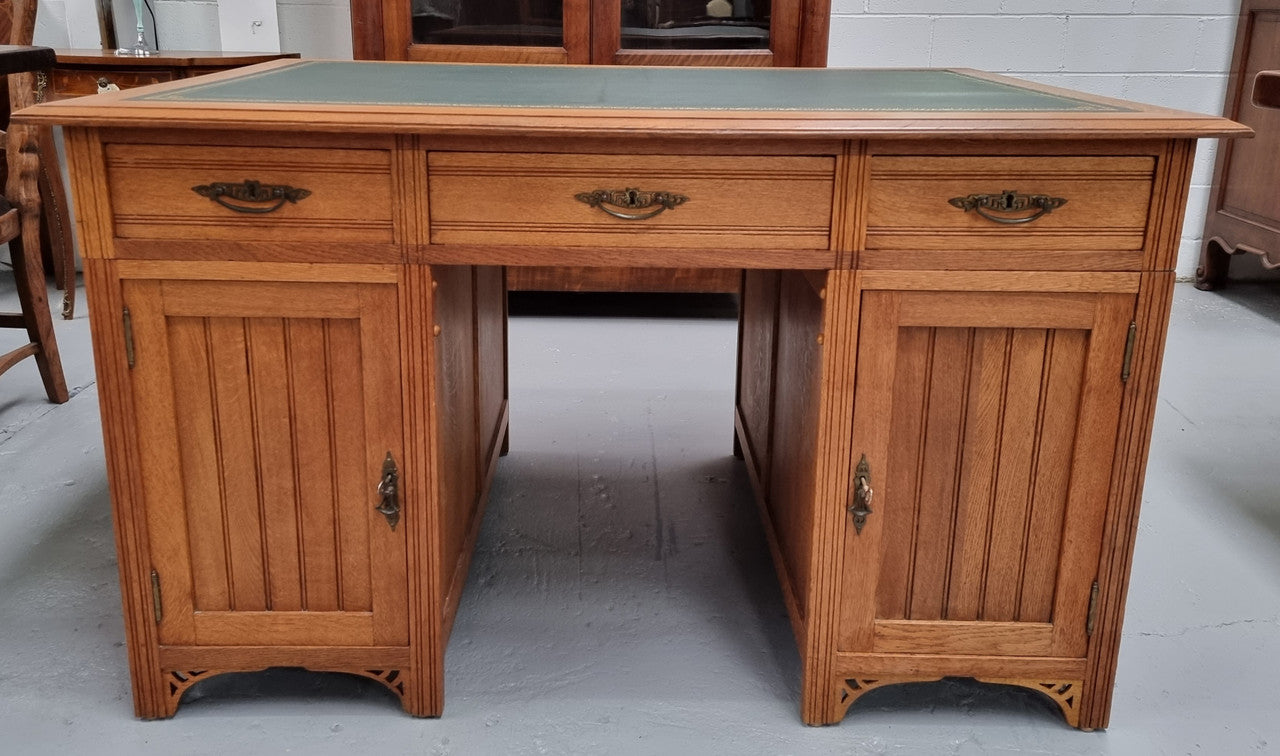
(155, 596)
(1093, 610)
(1128, 352)
(128, 336)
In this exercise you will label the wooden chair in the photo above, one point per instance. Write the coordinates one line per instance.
(20, 205)
(56, 244)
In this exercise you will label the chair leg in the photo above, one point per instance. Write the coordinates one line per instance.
(28, 273)
(56, 221)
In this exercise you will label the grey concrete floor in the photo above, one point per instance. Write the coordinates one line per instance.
(621, 599)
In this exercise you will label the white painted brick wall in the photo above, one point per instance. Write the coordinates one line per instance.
(1165, 52)
(1173, 53)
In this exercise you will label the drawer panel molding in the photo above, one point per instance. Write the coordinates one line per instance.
(705, 202)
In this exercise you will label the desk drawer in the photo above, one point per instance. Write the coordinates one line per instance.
(207, 192)
(76, 83)
(910, 203)
(755, 202)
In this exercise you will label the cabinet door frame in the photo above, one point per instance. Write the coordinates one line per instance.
(382, 30)
(151, 301)
(1114, 311)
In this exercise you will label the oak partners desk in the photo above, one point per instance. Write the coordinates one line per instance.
(954, 307)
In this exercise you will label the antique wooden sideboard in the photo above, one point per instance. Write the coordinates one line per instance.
(953, 316)
(1244, 202)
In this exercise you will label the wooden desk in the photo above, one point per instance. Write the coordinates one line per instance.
(953, 315)
(84, 72)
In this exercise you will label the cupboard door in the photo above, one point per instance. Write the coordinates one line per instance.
(269, 410)
(988, 424)
(490, 31)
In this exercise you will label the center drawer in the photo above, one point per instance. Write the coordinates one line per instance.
(645, 201)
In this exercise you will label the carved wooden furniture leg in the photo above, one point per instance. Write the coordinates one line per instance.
(1214, 261)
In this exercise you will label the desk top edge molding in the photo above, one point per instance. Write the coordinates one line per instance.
(127, 108)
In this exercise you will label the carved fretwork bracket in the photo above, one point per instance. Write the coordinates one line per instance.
(1066, 693)
(176, 683)
(392, 679)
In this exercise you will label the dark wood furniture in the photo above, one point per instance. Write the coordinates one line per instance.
(1266, 89)
(88, 71)
(588, 31)
(20, 205)
(1244, 206)
(84, 72)
(783, 33)
(953, 315)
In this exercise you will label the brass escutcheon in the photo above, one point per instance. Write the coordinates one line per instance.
(631, 199)
(1008, 201)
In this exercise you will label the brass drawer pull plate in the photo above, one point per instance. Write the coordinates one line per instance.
(1008, 201)
(252, 192)
(631, 199)
(389, 492)
(862, 493)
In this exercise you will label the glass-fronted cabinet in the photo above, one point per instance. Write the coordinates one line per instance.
(664, 32)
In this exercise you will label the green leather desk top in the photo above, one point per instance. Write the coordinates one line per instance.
(627, 88)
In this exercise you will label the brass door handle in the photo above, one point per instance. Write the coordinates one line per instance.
(862, 493)
(250, 191)
(631, 199)
(389, 492)
(1008, 201)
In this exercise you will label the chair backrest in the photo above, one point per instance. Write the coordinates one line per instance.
(17, 27)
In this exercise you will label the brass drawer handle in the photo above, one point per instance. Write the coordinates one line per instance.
(1008, 201)
(251, 191)
(631, 199)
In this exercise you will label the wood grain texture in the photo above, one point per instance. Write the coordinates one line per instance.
(757, 355)
(278, 436)
(153, 193)
(985, 505)
(770, 202)
(796, 410)
(425, 690)
(1125, 495)
(454, 402)
(1107, 202)
(121, 438)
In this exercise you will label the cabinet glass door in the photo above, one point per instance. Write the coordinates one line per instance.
(696, 32)
(479, 31)
(695, 24)
(521, 23)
